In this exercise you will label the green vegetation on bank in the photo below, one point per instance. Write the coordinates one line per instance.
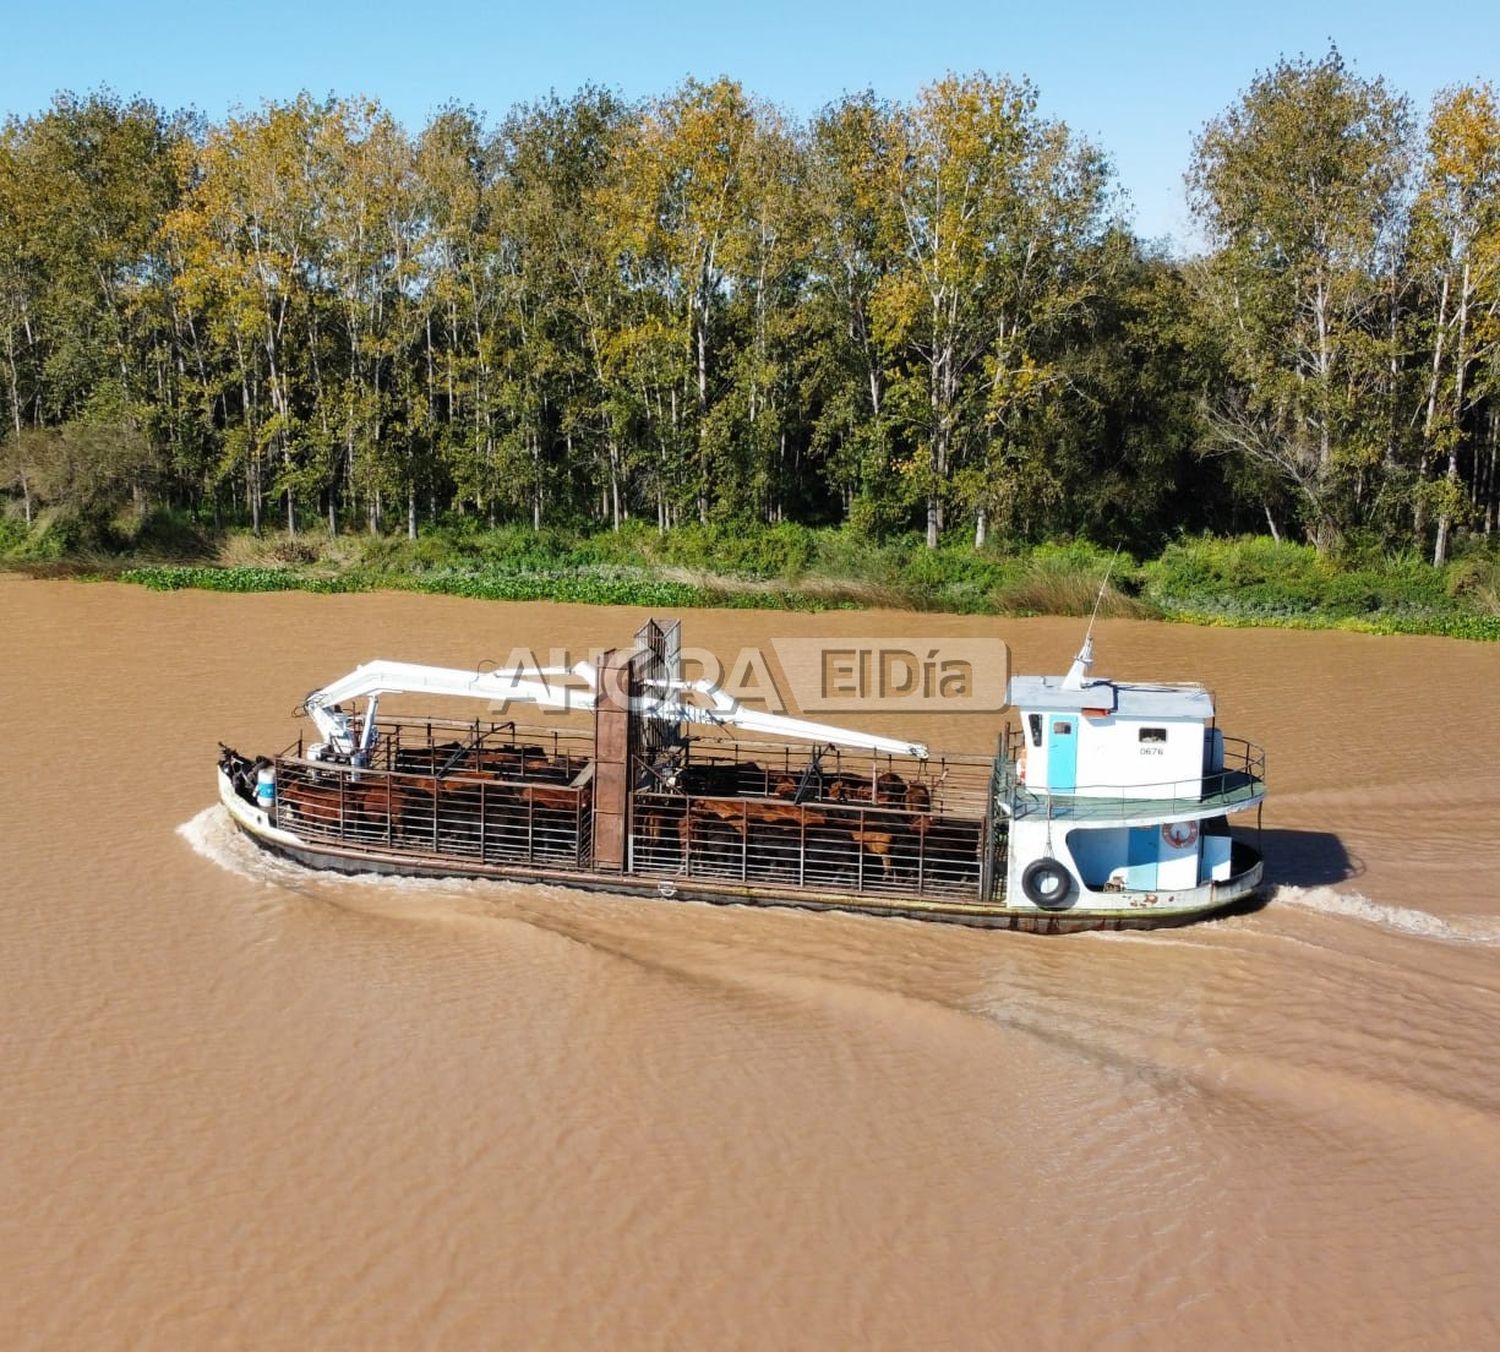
(693, 350)
(1245, 581)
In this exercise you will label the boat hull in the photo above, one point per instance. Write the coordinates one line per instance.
(1138, 911)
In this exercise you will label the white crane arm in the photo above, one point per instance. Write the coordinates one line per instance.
(724, 710)
(696, 702)
(527, 684)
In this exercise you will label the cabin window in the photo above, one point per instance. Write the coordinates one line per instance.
(1036, 728)
(1153, 735)
(1061, 729)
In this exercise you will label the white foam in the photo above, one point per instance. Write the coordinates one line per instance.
(1398, 919)
(214, 837)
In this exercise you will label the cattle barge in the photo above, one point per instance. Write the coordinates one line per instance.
(1105, 805)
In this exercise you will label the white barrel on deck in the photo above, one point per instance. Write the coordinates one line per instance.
(265, 787)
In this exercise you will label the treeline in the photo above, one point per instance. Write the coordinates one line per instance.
(918, 316)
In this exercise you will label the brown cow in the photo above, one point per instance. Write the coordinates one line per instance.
(323, 805)
(718, 824)
(887, 789)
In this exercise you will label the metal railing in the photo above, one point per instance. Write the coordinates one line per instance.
(484, 799)
(773, 841)
(713, 766)
(817, 819)
(1242, 780)
(763, 814)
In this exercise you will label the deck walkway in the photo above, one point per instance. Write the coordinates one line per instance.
(1234, 791)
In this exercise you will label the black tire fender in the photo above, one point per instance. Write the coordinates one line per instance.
(1048, 884)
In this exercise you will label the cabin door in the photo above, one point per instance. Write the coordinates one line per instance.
(1062, 753)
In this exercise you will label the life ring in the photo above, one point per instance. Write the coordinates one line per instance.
(1179, 835)
(1047, 884)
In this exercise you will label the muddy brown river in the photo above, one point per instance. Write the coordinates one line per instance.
(250, 1106)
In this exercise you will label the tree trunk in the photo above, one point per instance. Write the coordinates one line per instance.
(536, 483)
(614, 482)
(15, 410)
(1325, 533)
(1460, 371)
(1491, 497)
(1419, 515)
(701, 315)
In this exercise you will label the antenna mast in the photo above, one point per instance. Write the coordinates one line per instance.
(1079, 671)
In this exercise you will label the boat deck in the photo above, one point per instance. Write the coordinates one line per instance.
(1239, 785)
(727, 812)
(1234, 791)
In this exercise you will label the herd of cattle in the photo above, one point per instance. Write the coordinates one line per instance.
(807, 827)
(793, 824)
(508, 802)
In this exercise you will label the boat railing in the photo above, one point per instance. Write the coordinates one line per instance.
(1240, 781)
(772, 842)
(712, 765)
(451, 746)
(414, 800)
(765, 814)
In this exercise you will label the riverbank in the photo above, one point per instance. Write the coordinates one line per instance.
(1249, 581)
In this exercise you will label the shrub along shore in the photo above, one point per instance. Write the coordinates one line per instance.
(1202, 580)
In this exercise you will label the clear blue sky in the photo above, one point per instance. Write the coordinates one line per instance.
(1140, 83)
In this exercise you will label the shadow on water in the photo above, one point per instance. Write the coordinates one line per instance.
(1297, 859)
(1307, 859)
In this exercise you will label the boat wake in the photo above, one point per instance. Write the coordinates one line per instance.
(213, 836)
(1406, 920)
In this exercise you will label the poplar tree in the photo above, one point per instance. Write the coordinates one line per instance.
(1456, 250)
(1299, 186)
(681, 201)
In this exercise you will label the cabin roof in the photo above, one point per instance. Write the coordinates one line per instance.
(1122, 698)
